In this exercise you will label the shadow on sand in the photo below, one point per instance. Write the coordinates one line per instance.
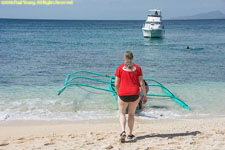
(169, 136)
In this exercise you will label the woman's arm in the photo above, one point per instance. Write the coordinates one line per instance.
(142, 84)
(117, 85)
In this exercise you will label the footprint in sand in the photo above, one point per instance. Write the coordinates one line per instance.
(37, 148)
(221, 144)
(4, 144)
(89, 143)
(161, 144)
(47, 144)
(181, 139)
(193, 143)
(20, 142)
(21, 138)
(100, 138)
(98, 133)
(173, 143)
(220, 132)
(52, 140)
(202, 137)
(150, 148)
(32, 139)
(107, 147)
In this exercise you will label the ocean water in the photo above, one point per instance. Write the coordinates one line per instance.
(36, 56)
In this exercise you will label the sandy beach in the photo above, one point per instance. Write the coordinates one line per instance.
(196, 134)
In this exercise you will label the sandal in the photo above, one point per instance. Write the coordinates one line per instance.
(122, 136)
(130, 136)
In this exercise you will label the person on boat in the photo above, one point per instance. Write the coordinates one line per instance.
(128, 78)
(141, 100)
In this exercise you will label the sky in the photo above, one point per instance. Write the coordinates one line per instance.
(112, 9)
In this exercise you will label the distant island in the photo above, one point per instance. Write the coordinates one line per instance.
(208, 15)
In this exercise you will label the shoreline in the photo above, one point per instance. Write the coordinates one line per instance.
(104, 133)
(20, 122)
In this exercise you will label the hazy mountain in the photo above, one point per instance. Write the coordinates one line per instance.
(208, 15)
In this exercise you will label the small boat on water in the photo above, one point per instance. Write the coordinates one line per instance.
(70, 81)
(153, 27)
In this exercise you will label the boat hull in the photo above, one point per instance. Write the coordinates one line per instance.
(153, 33)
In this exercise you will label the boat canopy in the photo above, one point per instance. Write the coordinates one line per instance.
(154, 12)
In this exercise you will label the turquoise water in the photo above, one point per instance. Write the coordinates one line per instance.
(36, 56)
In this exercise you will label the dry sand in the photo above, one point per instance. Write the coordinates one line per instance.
(157, 134)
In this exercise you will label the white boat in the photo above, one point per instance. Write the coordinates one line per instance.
(153, 27)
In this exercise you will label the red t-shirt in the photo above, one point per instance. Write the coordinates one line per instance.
(129, 84)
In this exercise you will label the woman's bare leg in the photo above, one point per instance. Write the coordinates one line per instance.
(131, 113)
(122, 113)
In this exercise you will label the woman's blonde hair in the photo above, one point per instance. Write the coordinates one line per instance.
(128, 57)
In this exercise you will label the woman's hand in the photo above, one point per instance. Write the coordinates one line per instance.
(144, 99)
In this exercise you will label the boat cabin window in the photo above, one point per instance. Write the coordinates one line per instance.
(148, 22)
(154, 15)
